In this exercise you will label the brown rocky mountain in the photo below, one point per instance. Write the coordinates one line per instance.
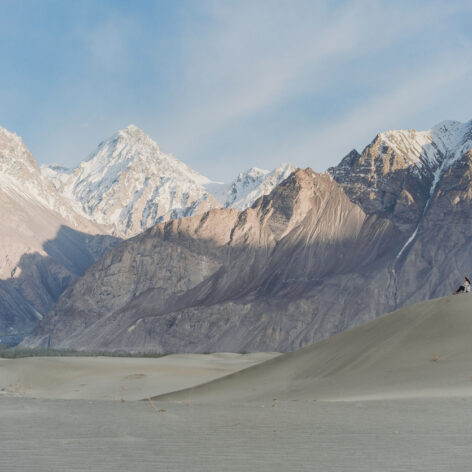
(261, 279)
(319, 254)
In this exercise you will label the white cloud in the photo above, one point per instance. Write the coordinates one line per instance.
(262, 53)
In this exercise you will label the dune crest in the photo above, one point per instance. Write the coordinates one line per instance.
(422, 350)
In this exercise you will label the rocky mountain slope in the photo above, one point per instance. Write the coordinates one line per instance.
(397, 173)
(319, 254)
(231, 280)
(45, 243)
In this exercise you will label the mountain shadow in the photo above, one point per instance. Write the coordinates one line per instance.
(38, 280)
(261, 279)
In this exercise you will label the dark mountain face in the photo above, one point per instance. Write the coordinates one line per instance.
(39, 279)
(319, 254)
(440, 254)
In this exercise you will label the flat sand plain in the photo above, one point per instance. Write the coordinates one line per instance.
(432, 435)
(116, 378)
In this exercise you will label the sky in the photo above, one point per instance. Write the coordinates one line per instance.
(228, 85)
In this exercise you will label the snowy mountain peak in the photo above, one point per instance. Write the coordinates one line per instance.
(133, 141)
(14, 154)
(248, 186)
(251, 175)
(452, 136)
(130, 183)
(133, 133)
(133, 128)
(132, 146)
(400, 170)
(415, 147)
(23, 182)
(18, 168)
(437, 147)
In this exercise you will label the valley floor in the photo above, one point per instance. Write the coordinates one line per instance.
(116, 378)
(111, 436)
(82, 414)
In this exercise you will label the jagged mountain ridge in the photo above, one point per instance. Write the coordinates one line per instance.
(49, 236)
(248, 186)
(397, 172)
(20, 176)
(319, 254)
(129, 184)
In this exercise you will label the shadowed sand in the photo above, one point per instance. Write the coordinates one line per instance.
(116, 378)
(423, 350)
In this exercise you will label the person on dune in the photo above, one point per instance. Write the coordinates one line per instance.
(463, 288)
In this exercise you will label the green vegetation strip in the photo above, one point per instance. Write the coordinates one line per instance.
(15, 353)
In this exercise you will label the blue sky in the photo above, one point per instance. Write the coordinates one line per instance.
(226, 85)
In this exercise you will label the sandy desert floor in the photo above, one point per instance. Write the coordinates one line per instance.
(111, 436)
(394, 395)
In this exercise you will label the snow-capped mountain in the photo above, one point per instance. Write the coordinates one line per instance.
(397, 173)
(56, 173)
(130, 184)
(440, 145)
(20, 177)
(422, 151)
(320, 254)
(44, 242)
(248, 186)
(56, 221)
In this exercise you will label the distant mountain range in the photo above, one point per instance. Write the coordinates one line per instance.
(57, 221)
(318, 254)
(129, 184)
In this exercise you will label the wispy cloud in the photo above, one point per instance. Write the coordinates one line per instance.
(227, 85)
(257, 56)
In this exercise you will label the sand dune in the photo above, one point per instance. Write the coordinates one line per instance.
(403, 360)
(423, 350)
(115, 378)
